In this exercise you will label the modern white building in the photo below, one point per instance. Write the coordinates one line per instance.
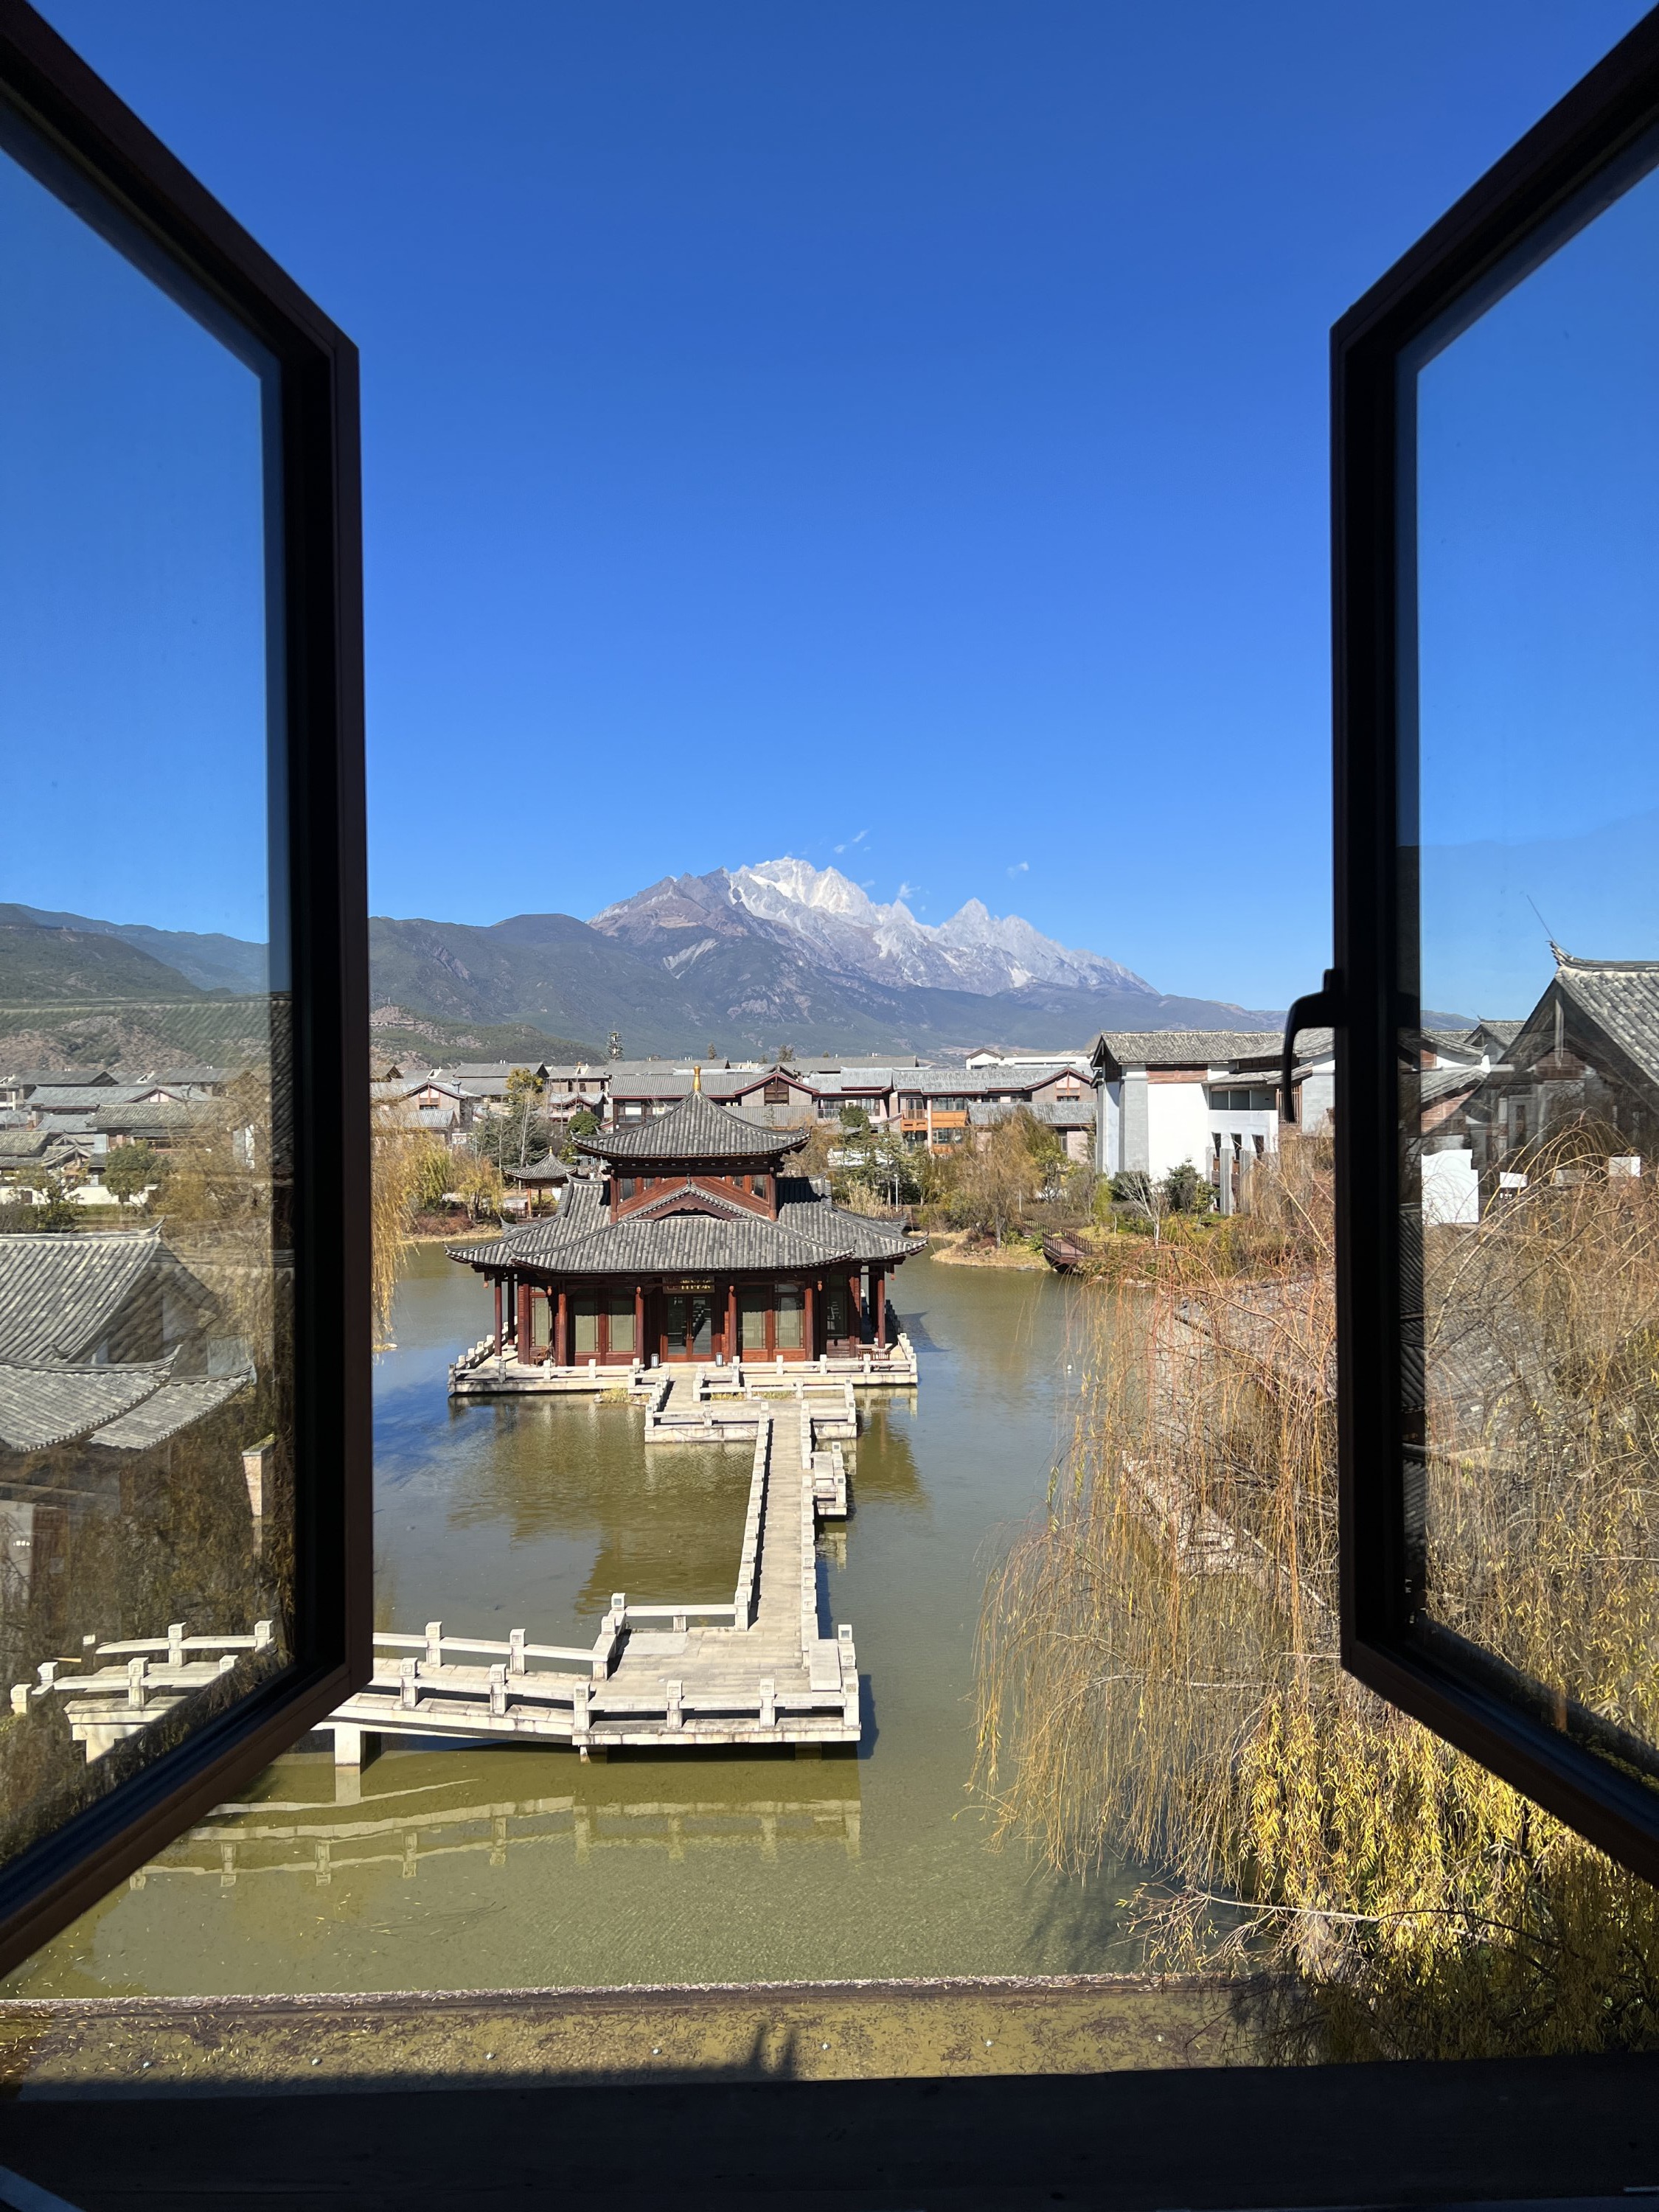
(1167, 1098)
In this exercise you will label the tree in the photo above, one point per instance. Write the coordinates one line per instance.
(997, 1175)
(478, 1183)
(59, 1209)
(1184, 1190)
(524, 1092)
(131, 1169)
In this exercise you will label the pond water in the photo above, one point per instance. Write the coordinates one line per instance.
(468, 1869)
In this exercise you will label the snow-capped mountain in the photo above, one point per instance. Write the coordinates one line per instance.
(750, 959)
(819, 914)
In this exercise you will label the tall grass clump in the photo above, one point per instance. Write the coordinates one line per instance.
(1157, 1667)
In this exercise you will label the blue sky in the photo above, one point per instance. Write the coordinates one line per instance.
(892, 427)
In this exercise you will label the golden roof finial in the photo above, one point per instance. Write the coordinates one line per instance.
(697, 1078)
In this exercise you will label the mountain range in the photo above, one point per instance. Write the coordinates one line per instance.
(746, 959)
(781, 953)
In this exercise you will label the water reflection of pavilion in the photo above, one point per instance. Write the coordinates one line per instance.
(323, 1841)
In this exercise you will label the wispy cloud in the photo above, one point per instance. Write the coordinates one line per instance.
(1020, 868)
(852, 842)
(907, 890)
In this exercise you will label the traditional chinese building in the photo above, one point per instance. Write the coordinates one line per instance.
(691, 1241)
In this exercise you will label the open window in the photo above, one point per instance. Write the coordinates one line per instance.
(1497, 986)
(183, 1267)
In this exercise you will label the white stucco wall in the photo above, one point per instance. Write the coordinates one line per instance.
(1177, 1126)
(1249, 1124)
(1109, 1123)
(1315, 1095)
(1451, 1189)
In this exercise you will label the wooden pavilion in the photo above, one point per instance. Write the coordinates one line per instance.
(689, 1240)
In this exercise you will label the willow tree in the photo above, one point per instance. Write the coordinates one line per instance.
(1157, 1661)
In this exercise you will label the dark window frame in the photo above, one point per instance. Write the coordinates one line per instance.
(120, 179)
(1553, 180)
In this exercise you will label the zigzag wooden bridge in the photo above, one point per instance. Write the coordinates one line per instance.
(752, 1669)
(749, 1670)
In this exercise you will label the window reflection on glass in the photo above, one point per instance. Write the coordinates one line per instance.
(146, 1541)
(1530, 1098)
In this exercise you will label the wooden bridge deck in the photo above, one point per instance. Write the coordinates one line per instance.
(753, 1669)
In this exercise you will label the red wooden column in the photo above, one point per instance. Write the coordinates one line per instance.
(855, 1304)
(878, 1297)
(731, 1353)
(498, 1316)
(638, 1325)
(561, 1331)
(810, 1320)
(521, 1320)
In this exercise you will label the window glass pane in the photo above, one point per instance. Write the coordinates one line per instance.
(752, 1307)
(789, 1318)
(584, 1328)
(620, 1323)
(676, 1307)
(146, 1537)
(1529, 1102)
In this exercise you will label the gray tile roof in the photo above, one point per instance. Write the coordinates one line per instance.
(71, 1098)
(1621, 997)
(1181, 1047)
(1437, 1083)
(48, 1404)
(695, 1129)
(167, 1117)
(18, 1146)
(58, 1294)
(127, 1407)
(977, 1082)
(175, 1405)
(717, 1083)
(1052, 1113)
(28, 1078)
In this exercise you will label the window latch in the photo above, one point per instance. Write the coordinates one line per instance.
(1321, 1010)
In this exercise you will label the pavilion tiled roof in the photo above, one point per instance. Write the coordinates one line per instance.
(548, 1168)
(582, 1240)
(695, 1129)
